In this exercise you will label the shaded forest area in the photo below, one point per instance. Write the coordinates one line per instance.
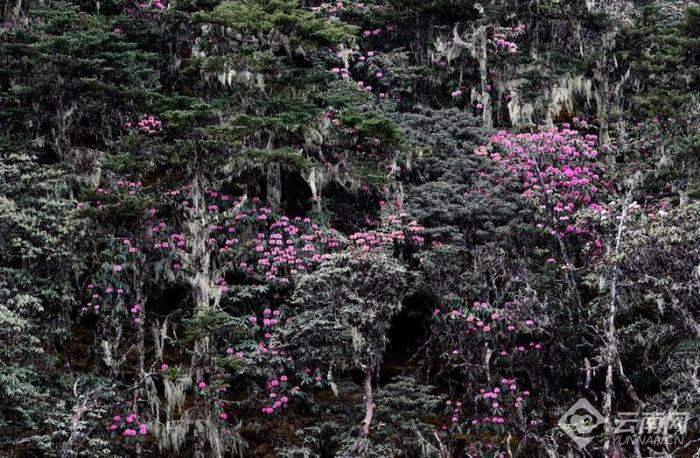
(390, 228)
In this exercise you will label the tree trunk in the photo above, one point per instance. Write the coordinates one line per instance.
(16, 10)
(369, 403)
(602, 93)
(206, 296)
(611, 337)
(274, 186)
(483, 72)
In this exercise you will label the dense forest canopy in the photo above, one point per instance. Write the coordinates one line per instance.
(390, 228)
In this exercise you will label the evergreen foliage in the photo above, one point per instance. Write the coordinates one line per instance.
(384, 228)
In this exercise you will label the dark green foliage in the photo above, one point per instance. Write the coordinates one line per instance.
(353, 114)
(458, 196)
(346, 308)
(667, 58)
(39, 231)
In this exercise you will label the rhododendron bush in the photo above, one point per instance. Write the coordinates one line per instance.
(559, 170)
(354, 228)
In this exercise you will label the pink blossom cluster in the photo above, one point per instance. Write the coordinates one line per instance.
(110, 284)
(502, 37)
(342, 71)
(129, 185)
(394, 230)
(258, 240)
(231, 352)
(156, 4)
(355, 64)
(149, 10)
(331, 8)
(312, 376)
(266, 328)
(509, 390)
(559, 169)
(122, 187)
(495, 410)
(136, 312)
(150, 124)
(331, 115)
(481, 317)
(127, 426)
(279, 391)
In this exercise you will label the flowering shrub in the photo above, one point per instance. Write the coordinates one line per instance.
(144, 12)
(479, 343)
(150, 125)
(257, 242)
(128, 426)
(111, 289)
(393, 231)
(560, 171)
(248, 238)
(279, 392)
(502, 37)
(507, 330)
(147, 124)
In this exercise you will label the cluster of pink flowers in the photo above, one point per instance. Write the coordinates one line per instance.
(334, 7)
(343, 72)
(127, 426)
(123, 187)
(394, 230)
(498, 325)
(231, 352)
(136, 312)
(374, 75)
(266, 328)
(150, 124)
(331, 115)
(312, 377)
(149, 10)
(129, 187)
(482, 317)
(157, 4)
(510, 386)
(279, 391)
(502, 37)
(281, 246)
(558, 168)
(496, 407)
(499, 400)
(109, 289)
